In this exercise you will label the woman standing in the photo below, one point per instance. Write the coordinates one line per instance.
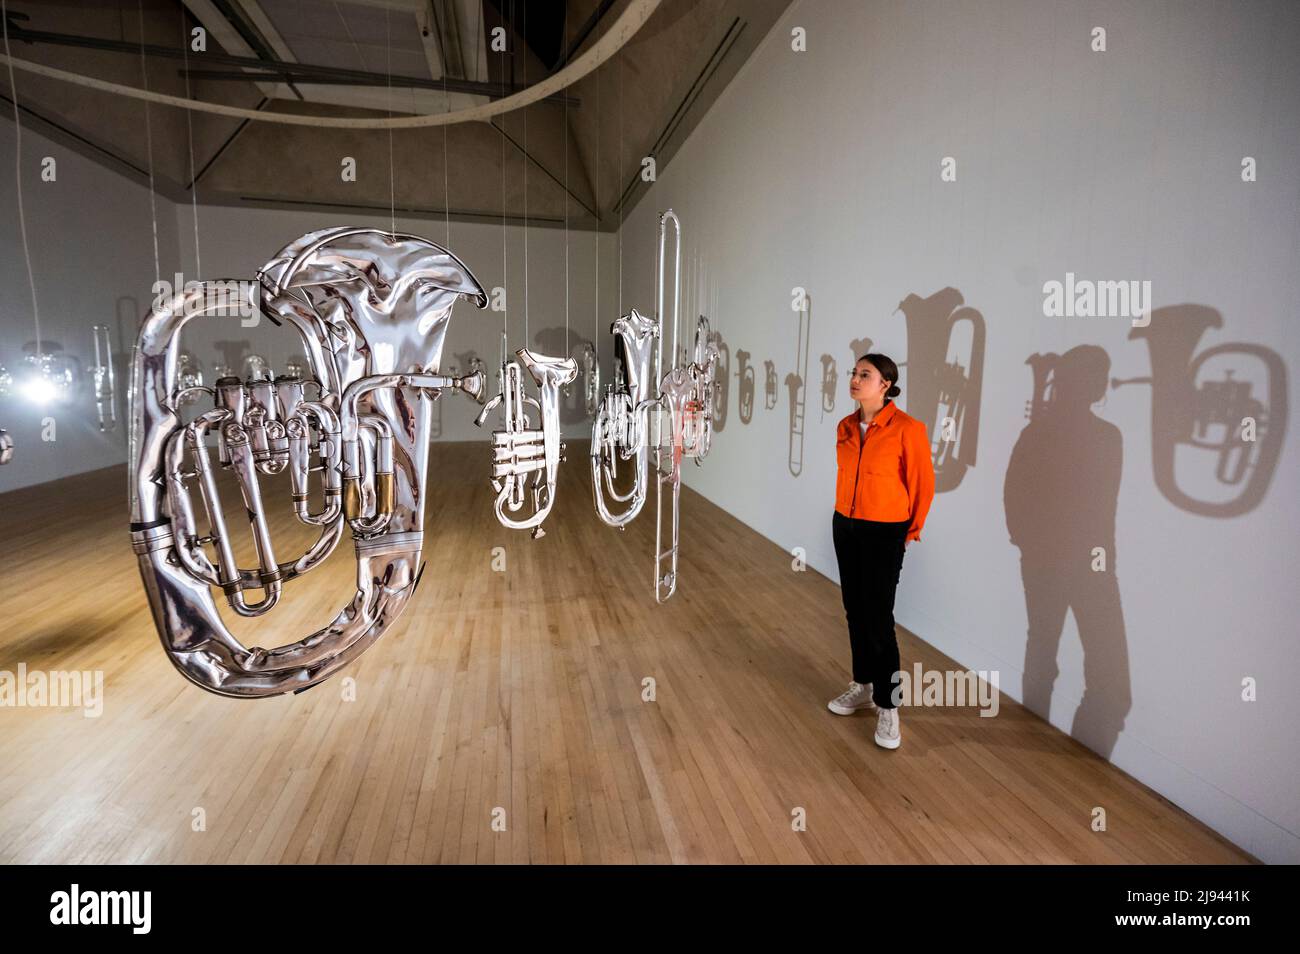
(882, 493)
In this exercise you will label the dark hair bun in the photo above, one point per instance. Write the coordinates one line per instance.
(894, 391)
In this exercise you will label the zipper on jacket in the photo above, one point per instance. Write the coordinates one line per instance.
(862, 442)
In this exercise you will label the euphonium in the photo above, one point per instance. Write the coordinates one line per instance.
(519, 449)
(1210, 417)
(944, 393)
(620, 429)
(372, 309)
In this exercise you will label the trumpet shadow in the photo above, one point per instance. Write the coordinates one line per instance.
(1060, 497)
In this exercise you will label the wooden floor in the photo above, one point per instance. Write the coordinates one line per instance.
(521, 691)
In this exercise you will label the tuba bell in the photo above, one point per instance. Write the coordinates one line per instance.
(620, 429)
(372, 309)
(944, 389)
(1208, 417)
(520, 449)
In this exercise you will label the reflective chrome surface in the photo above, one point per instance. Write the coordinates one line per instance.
(520, 448)
(372, 310)
(631, 419)
(6, 447)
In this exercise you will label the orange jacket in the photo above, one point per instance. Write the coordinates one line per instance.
(888, 476)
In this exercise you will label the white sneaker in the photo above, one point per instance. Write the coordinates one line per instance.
(887, 734)
(857, 697)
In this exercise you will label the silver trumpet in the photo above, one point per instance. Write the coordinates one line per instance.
(520, 449)
(372, 309)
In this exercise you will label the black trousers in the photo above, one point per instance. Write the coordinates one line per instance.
(870, 556)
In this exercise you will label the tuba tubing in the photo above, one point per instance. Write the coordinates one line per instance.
(177, 576)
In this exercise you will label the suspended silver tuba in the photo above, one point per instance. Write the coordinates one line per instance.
(372, 309)
(520, 449)
(620, 429)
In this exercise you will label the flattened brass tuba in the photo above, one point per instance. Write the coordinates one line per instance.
(372, 309)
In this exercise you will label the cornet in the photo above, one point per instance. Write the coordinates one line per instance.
(520, 449)
(769, 385)
(372, 309)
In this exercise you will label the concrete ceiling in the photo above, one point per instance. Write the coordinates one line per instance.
(580, 153)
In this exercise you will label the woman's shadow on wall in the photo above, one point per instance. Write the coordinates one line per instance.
(1060, 496)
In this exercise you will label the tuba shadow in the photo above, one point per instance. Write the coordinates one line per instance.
(1215, 443)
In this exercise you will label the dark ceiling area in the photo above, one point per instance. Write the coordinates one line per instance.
(579, 151)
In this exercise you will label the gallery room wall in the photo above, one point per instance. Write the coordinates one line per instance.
(822, 170)
(90, 233)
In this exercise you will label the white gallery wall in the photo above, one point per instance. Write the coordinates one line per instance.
(822, 170)
(90, 233)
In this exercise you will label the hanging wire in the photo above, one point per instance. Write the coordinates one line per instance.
(566, 197)
(620, 172)
(148, 139)
(524, 59)
(189, 133)
(595, 330)
(18, 182)
(392, 178)
(505, 269)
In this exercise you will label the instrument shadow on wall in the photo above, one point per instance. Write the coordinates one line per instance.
(1060, 496)
(795, 383)
(943, 377)
(745, 395)
(1218, 418)
(830, 384)
(722, 387)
